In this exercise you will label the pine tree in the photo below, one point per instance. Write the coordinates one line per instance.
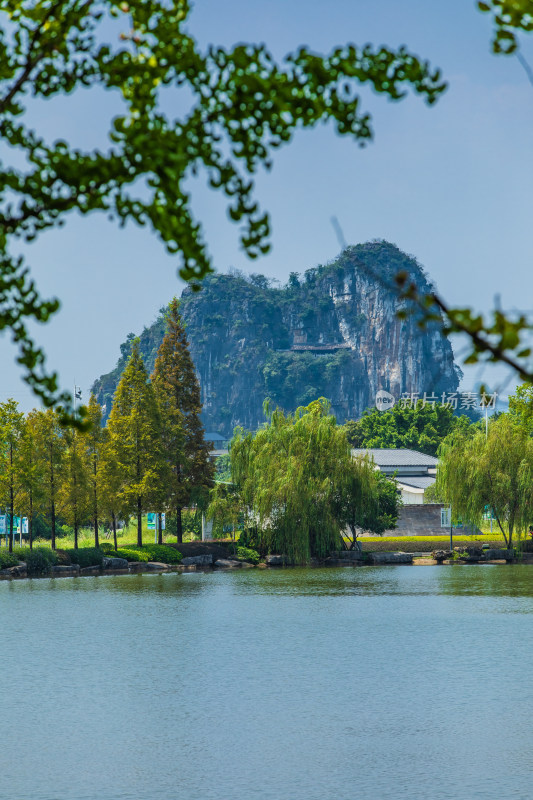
(11, 429)
(178, 395)
(134, 428)
(109, 483)
(93, 443)
(50, 450)
(74, 493)
(32, 471)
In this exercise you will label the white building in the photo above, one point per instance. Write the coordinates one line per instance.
(415, 472)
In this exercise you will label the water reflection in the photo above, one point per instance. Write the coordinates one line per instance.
(310, 684)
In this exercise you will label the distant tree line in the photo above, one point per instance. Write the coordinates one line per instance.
(151, 455)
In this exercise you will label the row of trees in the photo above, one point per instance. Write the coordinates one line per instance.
(151, 453)
(299, 487)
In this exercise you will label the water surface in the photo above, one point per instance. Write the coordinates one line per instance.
(385, 683)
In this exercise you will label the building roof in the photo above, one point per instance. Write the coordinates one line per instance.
(214, 437)
(391, 457)
(417, 482)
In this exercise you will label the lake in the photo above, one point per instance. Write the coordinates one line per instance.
(377, 683)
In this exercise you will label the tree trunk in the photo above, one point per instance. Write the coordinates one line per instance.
(52, 501)
(11, 499)
(75, 533)
(114, 523)
(159, 530)
(139, 522)
(179, 525)
(30, 521)
(95, 505)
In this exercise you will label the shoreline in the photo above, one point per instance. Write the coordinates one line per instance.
(275, 562)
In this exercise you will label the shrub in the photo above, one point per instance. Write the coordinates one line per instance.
(38, 561)
(247, 554)
(159, 552)
(87, 556)
(108, 548)
(7, 560)
(129, 555)
(63, 558)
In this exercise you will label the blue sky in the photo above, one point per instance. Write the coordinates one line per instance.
(449, 184)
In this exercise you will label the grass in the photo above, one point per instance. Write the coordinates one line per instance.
(126, 538)
(416, 544)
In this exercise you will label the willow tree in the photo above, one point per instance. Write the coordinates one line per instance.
(134, 428)
(494, 470)
(288, 475)
(178, 395)
(365, 500)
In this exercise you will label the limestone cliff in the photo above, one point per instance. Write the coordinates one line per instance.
(332, 332)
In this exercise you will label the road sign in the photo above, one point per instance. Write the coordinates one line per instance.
(163, 521)
(24, 525)
(150, 521)
(445, 517)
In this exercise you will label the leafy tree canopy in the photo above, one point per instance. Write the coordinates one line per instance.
(299, 481)
(479, 471)
(243, 105)
(416, 427)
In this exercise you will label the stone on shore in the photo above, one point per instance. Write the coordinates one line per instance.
(391, 558)
(347, 555)
(147, 566)
(441, 555)
(498, 554)
(66, 569)
(198, 561)
(227, 563)
(94, 570)
(114, 562)
(470, 553)
(18, 571)
(275, 561)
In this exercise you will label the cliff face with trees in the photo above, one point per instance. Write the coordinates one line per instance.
(332, 332)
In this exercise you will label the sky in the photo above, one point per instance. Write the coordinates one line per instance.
(449, 184)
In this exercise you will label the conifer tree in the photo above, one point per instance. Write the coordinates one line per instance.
(93, 439)
(11, 428)
(134, 428)
(178, 395)
(50, 450)
(74, 491)
(109, 483)
(32, 474)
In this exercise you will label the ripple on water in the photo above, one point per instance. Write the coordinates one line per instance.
(375, 683)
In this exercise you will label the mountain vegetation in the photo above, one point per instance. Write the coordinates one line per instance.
(332, 332)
